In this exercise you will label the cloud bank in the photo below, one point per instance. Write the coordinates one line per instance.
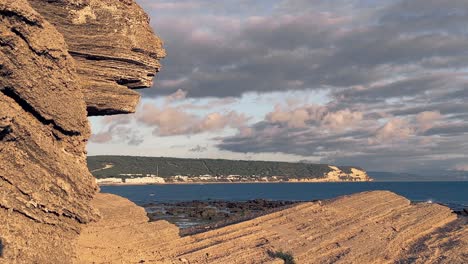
(394, 72)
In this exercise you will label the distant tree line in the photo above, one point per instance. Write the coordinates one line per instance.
(167, 167)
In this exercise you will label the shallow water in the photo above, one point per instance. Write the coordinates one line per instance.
(453, 194)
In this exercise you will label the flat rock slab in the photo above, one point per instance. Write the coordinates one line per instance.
(370, 227)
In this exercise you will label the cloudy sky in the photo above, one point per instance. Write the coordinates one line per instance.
(377, 84)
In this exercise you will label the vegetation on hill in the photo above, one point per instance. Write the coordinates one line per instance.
(168, 167)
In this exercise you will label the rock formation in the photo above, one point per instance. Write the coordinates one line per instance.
(61, 60)
(114, 48)
(336, 174)
(45, 186)
(372, 227)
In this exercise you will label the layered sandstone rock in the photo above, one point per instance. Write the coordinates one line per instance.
(113, 45)
(372, 227)
(45, 186)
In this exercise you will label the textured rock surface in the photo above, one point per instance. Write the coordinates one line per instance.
(114, 48)
(44, 182)
(372, 227)
(45, 186)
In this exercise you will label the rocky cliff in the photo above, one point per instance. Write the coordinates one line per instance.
(336, 174)
(47, 84)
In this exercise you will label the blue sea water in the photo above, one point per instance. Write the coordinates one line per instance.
(453, 194)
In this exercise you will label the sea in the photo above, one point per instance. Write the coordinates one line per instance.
(452, 194)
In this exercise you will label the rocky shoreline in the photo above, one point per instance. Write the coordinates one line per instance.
(369, 227)
(193, 217)
(198, 216)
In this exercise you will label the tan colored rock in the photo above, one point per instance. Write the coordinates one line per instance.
(372, 227)
(114, 48)
(45, 186)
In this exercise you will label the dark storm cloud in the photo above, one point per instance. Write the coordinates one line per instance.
(438, 88)
(448, 108)
(222, 55)
(428, 15)
(449, 130)
(406, 87)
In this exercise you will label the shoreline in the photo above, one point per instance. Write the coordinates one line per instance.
(203, 183)
(198, 216)
(399, 226)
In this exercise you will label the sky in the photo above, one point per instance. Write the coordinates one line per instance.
(377, 84)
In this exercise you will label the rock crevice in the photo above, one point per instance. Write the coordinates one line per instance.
(10, 92)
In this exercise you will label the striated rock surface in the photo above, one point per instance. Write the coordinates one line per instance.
(114, 47)
(45, 184)
(371, 227)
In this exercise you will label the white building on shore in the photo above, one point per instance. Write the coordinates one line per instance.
(109, 181)
(145, 180)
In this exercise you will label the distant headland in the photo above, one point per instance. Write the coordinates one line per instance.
(132, 170)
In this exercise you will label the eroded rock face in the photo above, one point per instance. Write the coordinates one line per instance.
(114, 47)
(45, 186)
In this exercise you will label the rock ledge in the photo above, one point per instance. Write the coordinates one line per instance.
(370, 227)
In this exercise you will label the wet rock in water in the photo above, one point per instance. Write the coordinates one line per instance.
(208, 213)
(463, 212)
(202, 214)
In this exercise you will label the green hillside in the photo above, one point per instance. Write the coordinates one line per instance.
(167, 167)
